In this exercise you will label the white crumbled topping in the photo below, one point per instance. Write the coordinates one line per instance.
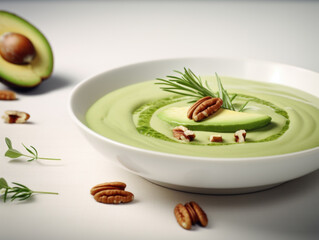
(184, 129)
(20, 120)
(183, 138)
(240, 135)
(188, 132)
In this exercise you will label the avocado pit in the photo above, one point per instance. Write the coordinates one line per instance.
(16, 48)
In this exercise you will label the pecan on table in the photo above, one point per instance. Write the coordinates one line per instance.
(201, 215)
(15, 117)
(182, 216)
(190, 214)
(114, 196)
(7, 95)
(111, 193)
(107, 186)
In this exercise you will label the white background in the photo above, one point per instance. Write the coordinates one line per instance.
(89, 37)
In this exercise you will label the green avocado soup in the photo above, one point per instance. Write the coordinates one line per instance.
(130, 115)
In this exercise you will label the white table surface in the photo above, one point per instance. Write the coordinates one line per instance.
(90, 37)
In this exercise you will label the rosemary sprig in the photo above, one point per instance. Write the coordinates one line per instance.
(191, 85)
(243, 106)
(18, 192)
(13, 153)
(187, 84)
(222, 93)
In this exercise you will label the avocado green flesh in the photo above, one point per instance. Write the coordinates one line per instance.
(222, 121)
(130, 115)
(40, 68)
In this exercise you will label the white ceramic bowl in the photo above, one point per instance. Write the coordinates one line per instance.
(198, 174)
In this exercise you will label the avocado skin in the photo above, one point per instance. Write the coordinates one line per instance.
(21, 85)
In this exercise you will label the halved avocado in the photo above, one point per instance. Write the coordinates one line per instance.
(222, 121)
(32, 73)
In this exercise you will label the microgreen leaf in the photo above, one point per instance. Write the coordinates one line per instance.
(35, 151)
(29, 150)
(13, 153)
(8, 142)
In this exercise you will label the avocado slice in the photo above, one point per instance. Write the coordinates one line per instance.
(222, 121)
(32, 72)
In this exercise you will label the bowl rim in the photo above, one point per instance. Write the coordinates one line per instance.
(80, 124)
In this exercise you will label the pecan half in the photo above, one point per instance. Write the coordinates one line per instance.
(7, 95)
(202, 217)
(182, 133)
(203, 108)
(112, 193)
(15, 117)
(195, 105)
(182, 216)
(240, 136)
(190, 214)
(107, 186)
(114, 196)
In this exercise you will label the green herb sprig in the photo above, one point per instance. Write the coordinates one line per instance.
(13, 153)
(191, 85)
(18, 192)
(222, 93)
